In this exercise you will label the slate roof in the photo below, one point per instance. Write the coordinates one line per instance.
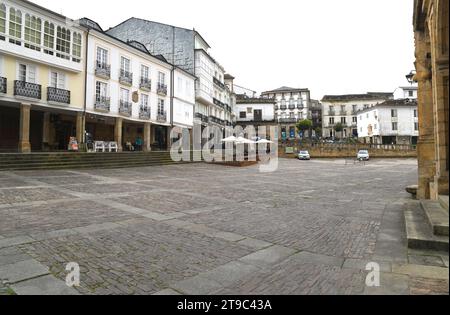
(354, 97)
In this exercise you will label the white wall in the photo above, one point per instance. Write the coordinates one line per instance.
(184, 99)
(268, 112)
(115, 52)
(404, 93)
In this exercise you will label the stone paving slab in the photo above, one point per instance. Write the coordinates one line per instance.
(46, 285)
(22, 270)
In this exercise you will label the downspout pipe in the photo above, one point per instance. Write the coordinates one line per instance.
(85, 85)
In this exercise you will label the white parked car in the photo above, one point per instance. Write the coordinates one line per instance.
(304, 155)
(363, 155)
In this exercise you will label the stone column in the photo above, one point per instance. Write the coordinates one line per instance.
(169, 140)
(118, 132)
(80, 127)
(46, 132)
(147, 137)
(426, 145)
(24, 131)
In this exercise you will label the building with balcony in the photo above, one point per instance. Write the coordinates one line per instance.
(129, 93)
(42, 62)
(343, 110)
(406, 92)
(255, 112)
(391, 122)
(188, 50)
(291, 106)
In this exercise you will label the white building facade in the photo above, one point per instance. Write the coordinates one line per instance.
(292, 105)
(129, 93)
(343, 110)
(406, 92)
(391, 122)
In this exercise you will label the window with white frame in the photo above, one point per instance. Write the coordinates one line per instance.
(145, 74)
(26, 73)
(394, 126)
(76, 47)
(161, 109)
(394, 113)
(57, 80)
(49, 38)
(2, 21)
(102, 58)
(63, 43)
(180, 86)
(125, 66)
(15, 26)
(144, 101)
(161, 78)
(124, 96)
(101, 91)
(33, 31)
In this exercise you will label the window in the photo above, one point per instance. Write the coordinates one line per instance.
(26, 73)
(249, 110)
(161, 110)
(33, 31)
(331, 108)
(354, 108)
(144, 100)
(125, 66)
(49, 38)
(355, 119)
(416, 126)
(415, 113)
(76, 47)
(331, 120)
(394, 113)
(2, 21)
(180, 85)
(243, 115)
(342, 108)
(343, 120)
(367, 115)
(411, 93)
(162, 78)
(62, 43)
(15, 26)
(101, 91)
(124, 95)
(58, 80)
(102, 58)
(375, 127)
(394, 126)
(145, 74)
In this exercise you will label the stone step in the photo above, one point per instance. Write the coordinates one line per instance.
(437, 217)
(418, 231)
(443, 200)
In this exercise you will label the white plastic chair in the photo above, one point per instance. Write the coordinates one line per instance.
(99, 146)
(113, 147)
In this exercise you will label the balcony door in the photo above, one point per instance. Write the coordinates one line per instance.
(26, 73)
(58, 80)
(257, 115)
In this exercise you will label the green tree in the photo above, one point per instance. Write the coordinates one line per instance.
(305, 125)
(339, 127)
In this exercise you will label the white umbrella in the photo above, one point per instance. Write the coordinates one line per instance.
(242, 140)
(264, 141)
(230, 139)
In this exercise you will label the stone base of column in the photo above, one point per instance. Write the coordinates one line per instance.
(147, 137)
(24, 147)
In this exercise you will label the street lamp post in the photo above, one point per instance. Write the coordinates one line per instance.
(410, 77)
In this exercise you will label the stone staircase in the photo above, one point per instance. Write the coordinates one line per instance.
(55, 161)
(427, 224)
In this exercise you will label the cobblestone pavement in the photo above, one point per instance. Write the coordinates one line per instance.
(309, 228)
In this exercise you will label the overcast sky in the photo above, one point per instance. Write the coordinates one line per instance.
(328, 46)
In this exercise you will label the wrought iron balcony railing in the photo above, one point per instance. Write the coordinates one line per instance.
(343, 113)
(283, 107)
(300, 106)
(102, 103)
(216, 120)
(103, 70)
(126, 77)
(145, 84)
(202, 117)
(3, 85)
(162, 89)
(144, 112)
(218, 83)
(291, 107)
(58, 95)
(125, 108)
(331, 113)
(161, 116)
(27, 89)
(218, 103)
(288, 120)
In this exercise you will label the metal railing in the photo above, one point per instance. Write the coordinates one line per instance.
(162, 89)
(3, 85)
(161, 116)
(27, 89)
(125, 108)
(144, 112)
(145, 84)
(288, 120)
(103, 70)
(202, 117)
(58, 95)
(218, 103)
(331, 113)
(218, 83)
(102, 103)
(126, 77)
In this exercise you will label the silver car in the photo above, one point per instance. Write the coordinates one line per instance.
(304, 155)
